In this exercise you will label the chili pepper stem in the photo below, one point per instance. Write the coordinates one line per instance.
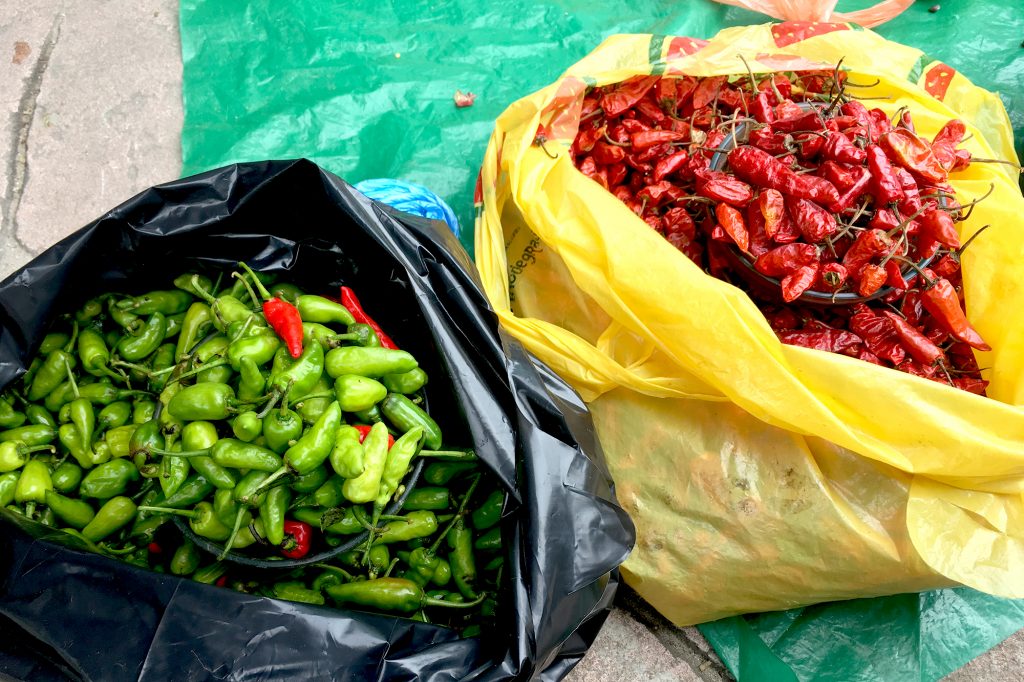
(430, 601)
(334, 569)
(256, 281)
(449, 455)
(391, 567)
(71, 378)
(197, 370)
(968, 242)
(170, 510)
(200, 291)
(753, 81)
(271, 479)
(276, 396)
(458, 514)
(234, 533)
(1007, 163)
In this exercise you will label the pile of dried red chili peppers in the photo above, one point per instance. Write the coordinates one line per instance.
(816, 191)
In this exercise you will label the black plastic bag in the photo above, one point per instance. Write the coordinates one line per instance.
(68, 613)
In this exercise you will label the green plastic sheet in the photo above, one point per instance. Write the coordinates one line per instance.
(366, 90)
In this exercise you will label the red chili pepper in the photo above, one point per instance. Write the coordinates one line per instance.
(868, 245)
(669, 165)
(762, 109)
(773, 207)
(586, 139)
(941, 300)
(868, 356)
(724, 188)
(947, 267)
(838, 148)
(916, 343)
(894, 276)
(704, 93)
(962, 160)
(911, 307)
(853, 194)
(939, 226)
(798, 281)
(886, 186)
(779, 82)
(766, 140)
(154, 548)
(809, 145)
(871, 279)
(830, 340)
(803, 122)
(365, 430)
(731, 221)
(971, 385)
(781, 319)
(659, 193)
(914, 154)
(783, 260)
(646, 139)
(759, 241)
(911, 201)
(906, 121)
(285, 319)
(834, 276)
(884, 219)
(878, 333)
(607, 154)
(945, 142)
(814, 222)
(918, 370)
(221, 581)
(678, 220)
(764, 170)
(349, 300)
(648, 110)
(626, 94)
(617, 172)
(298, 537)
(880, 124)
(858, 112)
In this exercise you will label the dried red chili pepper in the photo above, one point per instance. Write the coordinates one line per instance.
(298, 538)
(586, 139)
(834, 276)
(765, 139)
(871, 279)
(607, 154)
(851, 196)
(669, 165)
(916, 343)
(284, 318)
(880, 124)
(842, 177)
(868, 245)
(759, 241)
(939, 226)
(947, 267)
(732, 222)
(830, 340)
(617, 172)
(730, 99)
(350, 301)
(776, 82)
(886, 187)
(838, 148)
(804, 122)
(764, 170)
(782, 318)
(798, 281)
(859, 112)
(940, 299)
(773, 208)
(761, 109)
(704, 93)
(783, 260)
(809, 145)
(722, 187)
(893, 275)
(648, 138)
(945, 142)
(911, 152)
(649, 112)
(659, 193)
(814, 222)
(868, 356)
(678, 220)
(906, 121)
(878, 333)
(884, 219)
(918, 370)
(626, 94)
(911, 307)
(971, 385)
(911, 201)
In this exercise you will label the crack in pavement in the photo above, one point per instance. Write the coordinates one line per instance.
(17, 161)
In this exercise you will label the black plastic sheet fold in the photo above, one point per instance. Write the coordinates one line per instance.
(65, 613)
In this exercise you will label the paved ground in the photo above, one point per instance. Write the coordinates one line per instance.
(90, 114)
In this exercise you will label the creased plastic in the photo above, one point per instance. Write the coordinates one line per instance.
(823, 10)
(68, 613)
(734, 452)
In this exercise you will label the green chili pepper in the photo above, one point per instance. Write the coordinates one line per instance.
(163, 362)
(112, 516)
(134, 348)
(358, 393)
(297, 592)
(9, 417)
(405, 414)
(364, 487)
(52, 342)
(286, 291)
(75, 513)
(405, 383)
(390, 594)
(219, 374)
(417, 524)
(37, 414)
(84, 419)
(361, 335)
(281, 427)
(186, 559)
(99, 393)
(131, 322)
(143, 411)
(346, 524)
(93, 352)
(208, 575)
(195, 489)
(66, 477)
(71, 439)
(119, 440)
(310, 451)
(397, 466)
(313, 406)
(54, 370)
(225, 506)
(440, 473)
(147, 524)
(14, 455)
(347, 455)
(260, 349)
(206, 402)
(8, 486)
(164, 302)
(434, 499)
(426, 568)
(198, 320)
(202, 520)
(320, 309)
(108, 479)
(463, 564)
(114, 415)
(325, 336)
(185, 282)
(247, 535)
(489, 513)
(251, 382)
(300, 376)
(379, 558)
(226, 309)
(249, 490)
(247, 426)
(311, 481)
(170, 425)
(36, 434)
(174, 325)
(489, 541)
(173, 472)
(212, 350)
(144, 441)
(272, 512)
(330, 493)
(368, 362)
(201, 435)
(236, 454)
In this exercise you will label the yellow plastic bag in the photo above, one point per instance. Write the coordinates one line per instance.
(763, 476)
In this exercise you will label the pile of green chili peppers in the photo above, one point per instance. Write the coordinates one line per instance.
(187, 403)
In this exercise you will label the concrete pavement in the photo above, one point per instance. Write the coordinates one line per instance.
(90, 114)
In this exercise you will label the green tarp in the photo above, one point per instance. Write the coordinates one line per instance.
(365, 89)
